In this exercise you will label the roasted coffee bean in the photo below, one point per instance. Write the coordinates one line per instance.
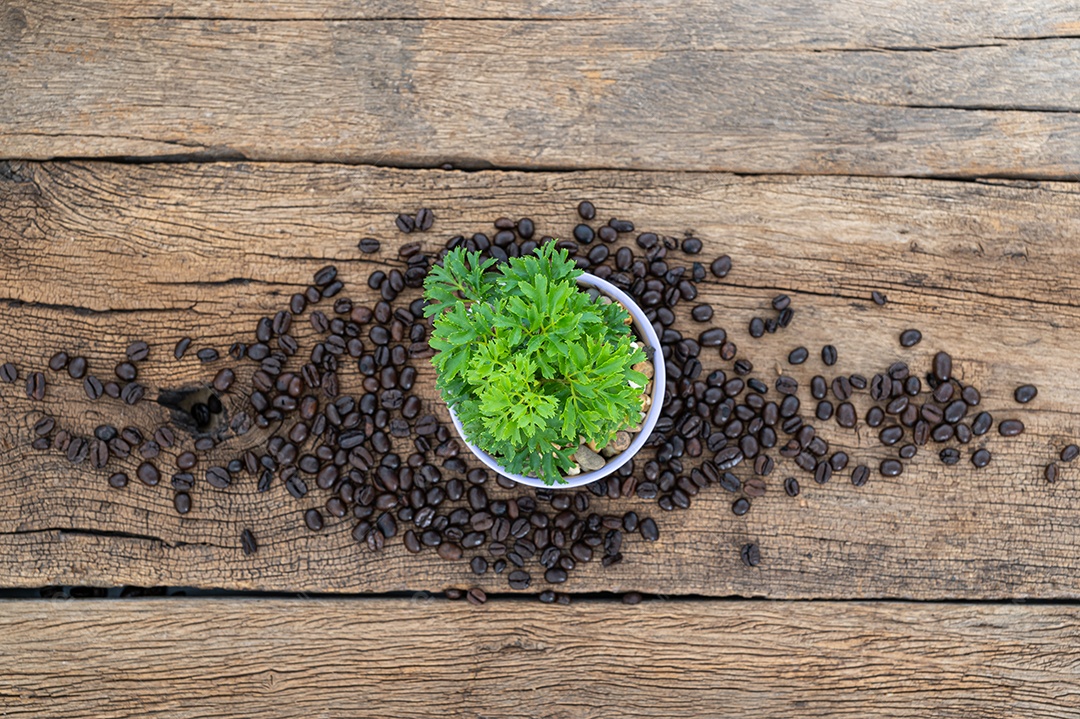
(750, 555)
(757, 327)
(828, 355)
(949, 456)
(798, 356)
(148, 474)
(891, 468)
(181, 347)
(908, 451)
(970, 395)
(126, 371)
(955, 411)
(118, 480)
(58, 361)
(740, 506)
(648, 530)
(943, 392)
(1010, 427)
(791, 487)
(721, 266)
(200, 412)
(942, 367)
(891, 435)
(786, 385)
(35, 386)
(860, 475)
(845, 415)
(702, 313)
(132, 392)
(823, 472)
(963, 433)
(218, 477)
(1051, 473)
(207, 354)
(841, 388)
(44, 425)
(8, 373)
(878, 298)
(368, 245)
(313, 519)
(982, 423)
(164, 437)
(77, 367)
(248, 543)
(1025, 393)
(1070, 452)
(586, 210)
(942, 433)
(980, 458)
(910, 338)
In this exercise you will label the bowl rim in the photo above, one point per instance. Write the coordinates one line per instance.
(648, 332)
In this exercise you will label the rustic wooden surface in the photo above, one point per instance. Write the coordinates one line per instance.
(425, 658)
(908, 88)
(642, 107)
(987, 271)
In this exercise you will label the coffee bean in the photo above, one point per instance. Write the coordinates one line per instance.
(798, 356)
(949, 456)
(891, 435)
(845, 415)
(368, 245)
(980, 458)
(955, 411)
(126, 371)
(878, 298)
(757, 327)
(910, 338)
(942, 367)
(750, 555)
(99, 454)
(148, 474)
(218, 477)
(1051, 472)
(891, 468)
(8, 372)
(586, 210)
(248, 543)
(828, 355)
(58, 361)
(841, 388)
(860, 475)
(943, 392)
(822, 472)
(702, 313)
(648, 529)
(1010, 427)
(519, 579)
(721, 266)
(971, 395)
(791, 487)
(181, 347)
(182, 502)
(1025, 393)
(35, 386)
(982, 423)
(207, 354)
(44, 425)
(132, 392)
(740, 507)
(1070, 452)
(118, 480)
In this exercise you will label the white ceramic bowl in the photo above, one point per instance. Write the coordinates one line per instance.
(645, 330)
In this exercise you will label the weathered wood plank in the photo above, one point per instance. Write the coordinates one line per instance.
(840, 88)
(988, 272)
(431, 658)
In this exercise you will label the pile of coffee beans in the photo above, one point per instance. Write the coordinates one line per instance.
(344, 433)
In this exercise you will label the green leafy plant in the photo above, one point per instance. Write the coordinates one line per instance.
(532, 365)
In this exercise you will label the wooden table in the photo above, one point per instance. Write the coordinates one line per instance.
(175, 169)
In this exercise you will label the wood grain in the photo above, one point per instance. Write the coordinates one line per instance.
(432, 658)
(907, 88)
(98, 254)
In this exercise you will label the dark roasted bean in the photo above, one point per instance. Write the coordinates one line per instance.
(942, 367)
(750, 555)
(980, 458)
(181, 347)
(35, 386)
(8, 373)
(1010, 427)
(798, 356)
(891, 468)
(721, 266)
(910, 338)
(982, 423)
(1070, 452)
(1025, 393)
(828, 355)
(860, 475)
